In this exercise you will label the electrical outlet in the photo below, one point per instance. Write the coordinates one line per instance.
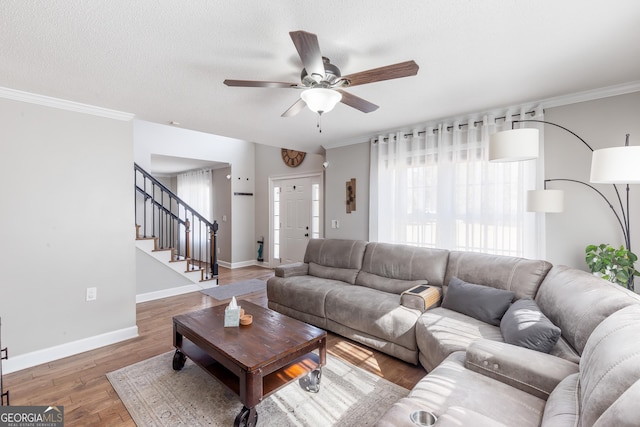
(92, 294)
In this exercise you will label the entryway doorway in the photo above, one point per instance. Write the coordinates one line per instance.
(296, 207)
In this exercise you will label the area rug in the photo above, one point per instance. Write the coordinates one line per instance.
(235, 289)
(156, 395)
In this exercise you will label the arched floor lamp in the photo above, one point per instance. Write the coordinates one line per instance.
(615, 165)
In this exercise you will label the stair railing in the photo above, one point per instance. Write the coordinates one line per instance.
(161, 214)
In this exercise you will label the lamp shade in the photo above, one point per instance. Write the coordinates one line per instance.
(513, 145)
(550, 201)
(321, 100)
(617, 165)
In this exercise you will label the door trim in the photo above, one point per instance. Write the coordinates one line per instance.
(273, 182)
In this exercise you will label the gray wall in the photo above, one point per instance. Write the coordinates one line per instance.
(222, 213)
(587, 219)
(153, 276)
(347, 162)
(66, 224)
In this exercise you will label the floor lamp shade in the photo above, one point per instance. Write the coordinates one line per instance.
(617, 165)
(550, 201)
(514, 145)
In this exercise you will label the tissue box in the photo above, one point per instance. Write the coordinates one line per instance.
(231, 317)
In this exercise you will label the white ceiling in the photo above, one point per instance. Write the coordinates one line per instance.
(165, 60)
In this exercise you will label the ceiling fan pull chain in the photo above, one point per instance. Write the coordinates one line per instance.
(319, 124)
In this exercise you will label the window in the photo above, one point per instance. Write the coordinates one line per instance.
(435, 188)
(315, 211)
(276, 222)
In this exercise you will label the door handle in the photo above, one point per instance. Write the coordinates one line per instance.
(306, 234)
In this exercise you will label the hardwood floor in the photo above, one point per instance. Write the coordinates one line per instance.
(79, 382)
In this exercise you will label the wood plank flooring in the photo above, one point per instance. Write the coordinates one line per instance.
(79, 382)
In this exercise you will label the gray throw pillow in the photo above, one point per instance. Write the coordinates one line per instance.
(526, 326)
(478, 301)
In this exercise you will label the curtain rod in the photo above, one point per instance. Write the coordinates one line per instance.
(460, 126)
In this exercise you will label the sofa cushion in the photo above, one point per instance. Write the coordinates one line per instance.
(562, 405)
(610, 371)
(347, 275)
(481, 302)
(336, 259)
(385, 284)
(577, 302)
(519, 275)
(440, 332)
(373, 312)
(339, 253)
(451, 384)
(524, 325)
(396, 268)
(302, 293)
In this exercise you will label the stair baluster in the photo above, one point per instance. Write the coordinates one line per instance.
(168, 215)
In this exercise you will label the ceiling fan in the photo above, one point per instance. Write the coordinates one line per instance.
(322, 82)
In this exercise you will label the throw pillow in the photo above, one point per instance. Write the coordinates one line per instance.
(526, 326)
(481, 302)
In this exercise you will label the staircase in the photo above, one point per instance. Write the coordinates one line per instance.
(173, 233)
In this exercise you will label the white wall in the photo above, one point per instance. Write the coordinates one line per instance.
(152, 138)
(347, 162)
(66, 224)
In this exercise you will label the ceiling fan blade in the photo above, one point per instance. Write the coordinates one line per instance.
(295, 108)
(357, 102)
(309, 51)
(258, 83)
(395, 71)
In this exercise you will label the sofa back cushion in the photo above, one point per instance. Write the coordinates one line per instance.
(518, 275)
(577, 302)
(395, 268)
(336, 259)
(610, 371)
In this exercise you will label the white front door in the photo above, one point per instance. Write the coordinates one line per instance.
(295, 219)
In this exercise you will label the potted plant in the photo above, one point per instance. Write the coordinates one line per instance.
(614, 265)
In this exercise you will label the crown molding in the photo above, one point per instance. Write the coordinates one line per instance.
(590, 95)
(557, 101)
(62, 104)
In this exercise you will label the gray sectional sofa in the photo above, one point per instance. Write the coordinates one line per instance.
(572, 350)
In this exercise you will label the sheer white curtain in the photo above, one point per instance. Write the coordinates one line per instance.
(195, 189)
(434, 187)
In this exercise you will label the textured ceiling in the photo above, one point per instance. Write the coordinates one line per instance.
(165, 60)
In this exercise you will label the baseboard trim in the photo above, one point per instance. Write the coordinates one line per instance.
(38, 357)
(250, 263)
(166, 293)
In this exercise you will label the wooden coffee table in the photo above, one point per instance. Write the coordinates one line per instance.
(253, 361)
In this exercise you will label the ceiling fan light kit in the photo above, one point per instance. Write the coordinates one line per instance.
(322, 80)
(321, 100)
